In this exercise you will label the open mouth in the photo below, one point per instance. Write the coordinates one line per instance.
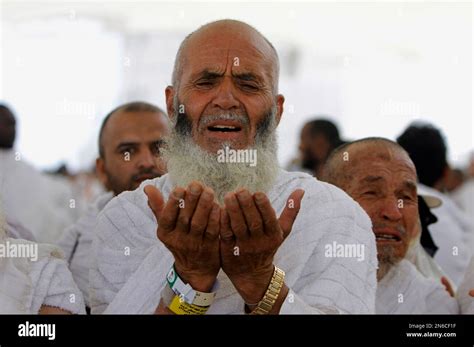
(387, 237)
(224, 128)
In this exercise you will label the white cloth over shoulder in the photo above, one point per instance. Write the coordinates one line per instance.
(28, 283)
(130, 263)
(17, 230)
(466, 302)
(404, 290)
(464, 198)
(451, 233)
(39, 201)
(424, 262)
(76, 243)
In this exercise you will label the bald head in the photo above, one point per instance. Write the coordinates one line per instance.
(348, 158)
(223, 34)
(380, 176)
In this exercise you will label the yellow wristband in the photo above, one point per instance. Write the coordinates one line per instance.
(179, 306)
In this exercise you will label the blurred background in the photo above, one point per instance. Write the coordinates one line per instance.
(371, 67)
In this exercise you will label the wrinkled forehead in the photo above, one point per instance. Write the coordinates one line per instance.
(363, 157)
(213, 47)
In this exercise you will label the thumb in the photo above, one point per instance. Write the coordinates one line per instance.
(290, 212)
(155, 200)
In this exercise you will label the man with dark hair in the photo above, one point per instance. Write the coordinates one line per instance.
(453, 232)
(427, 149)
(36, 202)
(7, 127)
(130, 139)
(319, 138)
(130, 142)
(380, 176)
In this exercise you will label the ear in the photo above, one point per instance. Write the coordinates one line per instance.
(101, 174)
(169, 95)
(280, 100)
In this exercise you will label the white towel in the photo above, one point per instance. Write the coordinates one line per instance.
(27, 284)
(130, 263)
(404, 290)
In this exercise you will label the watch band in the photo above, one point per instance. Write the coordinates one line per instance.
(271, 295)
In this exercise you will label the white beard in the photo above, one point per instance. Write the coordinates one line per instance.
(187, 162)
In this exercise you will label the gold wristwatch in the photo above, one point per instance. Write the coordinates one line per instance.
(271, 295)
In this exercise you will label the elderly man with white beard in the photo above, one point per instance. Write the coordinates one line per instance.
(380, 176)
(206, 237)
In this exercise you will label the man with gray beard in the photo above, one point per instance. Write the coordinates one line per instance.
(380, 176)
(218, 234)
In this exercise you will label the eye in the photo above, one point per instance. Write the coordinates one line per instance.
(205, 84)
(249, 87)
(369, 192)
(129, 150)
(155, 149)
(408, 197)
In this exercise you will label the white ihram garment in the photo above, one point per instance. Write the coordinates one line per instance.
(404, 290)
(130, 264)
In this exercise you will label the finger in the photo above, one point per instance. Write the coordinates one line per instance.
(269, 218)
(251, 214)
(290, 212)
(193, 192)
(167, 221)
(471, 292)
(226, 232)
(447, 285)
(212, 230)
(155, 200)
(237, 220)
(200, 216)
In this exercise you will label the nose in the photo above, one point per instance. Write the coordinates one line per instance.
(225, 98)
(391, 209)
(146, 159)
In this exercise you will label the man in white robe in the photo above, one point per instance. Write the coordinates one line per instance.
(40, 202)
(452, 234)
(129, 147)
(381, 177)
(225, 98)
(453, 231)
(465, 292)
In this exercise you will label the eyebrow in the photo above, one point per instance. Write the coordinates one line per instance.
(159, 142)
(207, 74)
(372, 179)
(410, 185)
(126, 144)
(246, 76)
